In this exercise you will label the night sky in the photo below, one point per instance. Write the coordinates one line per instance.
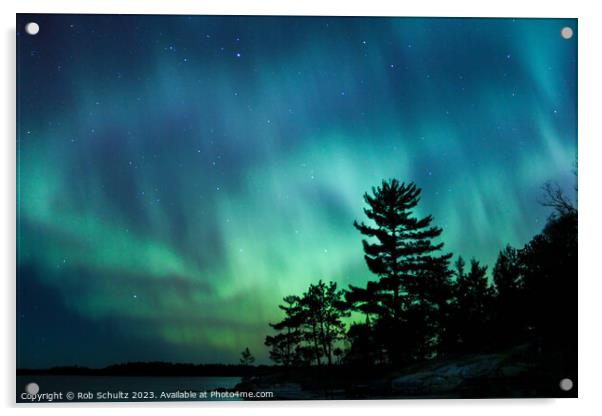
(177, 176)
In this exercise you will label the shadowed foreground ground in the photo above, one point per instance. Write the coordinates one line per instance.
(508, 374)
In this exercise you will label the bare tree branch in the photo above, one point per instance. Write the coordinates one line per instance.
(555, 198)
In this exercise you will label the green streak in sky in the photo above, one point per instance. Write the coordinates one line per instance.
(173, 191)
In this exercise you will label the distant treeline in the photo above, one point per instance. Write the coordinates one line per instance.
(155, 369)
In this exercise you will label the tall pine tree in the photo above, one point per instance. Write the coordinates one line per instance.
(399, 249)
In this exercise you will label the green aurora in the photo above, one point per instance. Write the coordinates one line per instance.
(177, 176)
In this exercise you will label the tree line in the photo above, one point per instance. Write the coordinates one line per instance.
(419, 305)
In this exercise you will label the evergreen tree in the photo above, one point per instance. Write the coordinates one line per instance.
(246, 358)
(412, 283)
(550, 288)
(324, 309)
(474, 297)
(284, 347)
(510, 303)
(452, 323)
(366, 346)
(508, 273)
(459, 268)
(365, 300)
(312, 327)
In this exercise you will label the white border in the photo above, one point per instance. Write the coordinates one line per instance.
(590, 201)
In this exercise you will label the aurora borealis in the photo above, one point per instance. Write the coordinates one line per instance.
(177, 176)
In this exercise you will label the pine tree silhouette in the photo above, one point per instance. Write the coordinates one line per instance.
(510, 302)
(550, 289)
(246, 358)
(323, 310)
(400, 251)
(470, 324)
(415, 310)
(284, 347)
(312, 327)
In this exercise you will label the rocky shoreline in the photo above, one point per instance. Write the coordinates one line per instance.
(511, 373)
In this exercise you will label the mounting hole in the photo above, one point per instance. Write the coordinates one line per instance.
(566, 32)
(32, 28)
(566, 384)
(32, 388)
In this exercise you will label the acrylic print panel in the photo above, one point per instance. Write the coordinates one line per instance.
(273, 208)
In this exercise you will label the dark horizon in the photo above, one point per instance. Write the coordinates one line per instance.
(152, 368)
